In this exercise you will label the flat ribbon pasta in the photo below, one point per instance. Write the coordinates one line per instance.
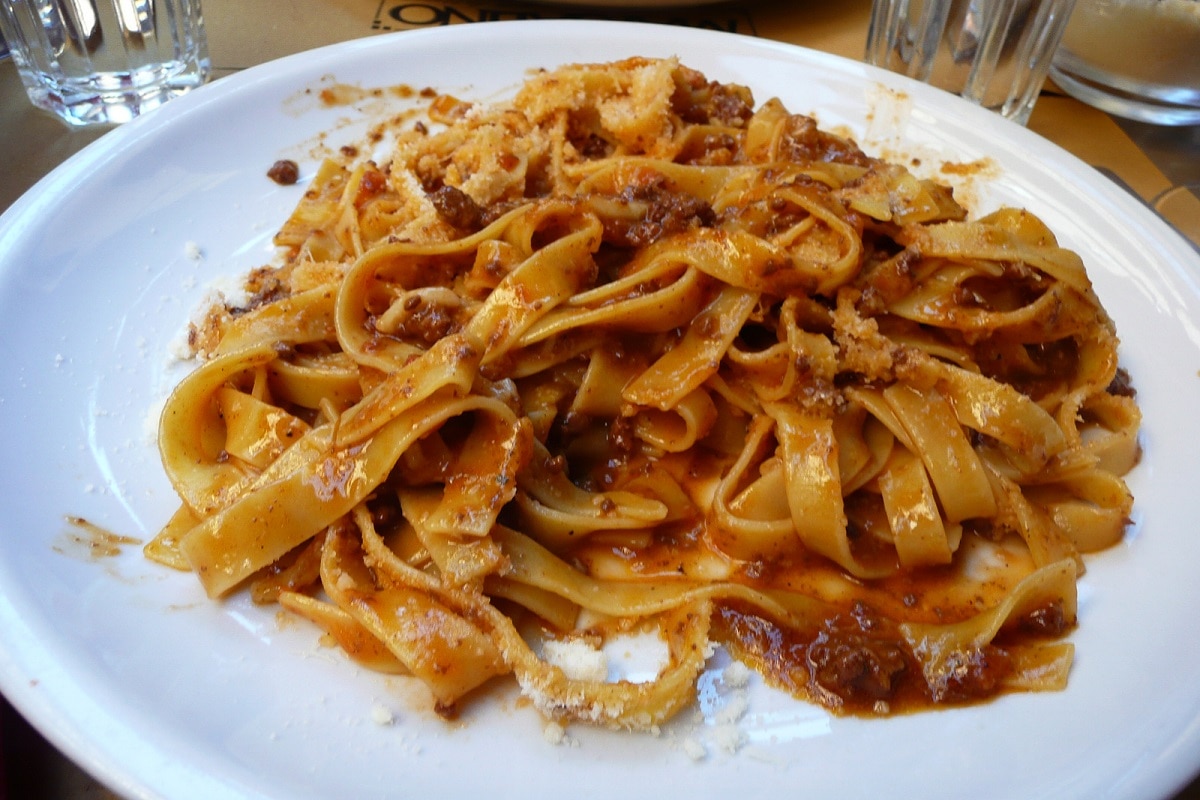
(626, 354)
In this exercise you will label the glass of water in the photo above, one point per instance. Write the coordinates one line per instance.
(1138, 59)
(995, 53)
(105, 61)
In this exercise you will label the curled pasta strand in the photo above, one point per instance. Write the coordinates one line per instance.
(944, 650)
(918, 530)
(683, 368)
(192, 434)
(751, 516)
(557, 511)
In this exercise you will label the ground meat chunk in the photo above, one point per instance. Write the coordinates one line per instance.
(699, 101)
(285, 172)
(851, 659)
(1122, 384)
(666, 212)
(805, 142)
(457, 208)
(1048, 620)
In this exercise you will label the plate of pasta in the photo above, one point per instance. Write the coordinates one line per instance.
(551, 407)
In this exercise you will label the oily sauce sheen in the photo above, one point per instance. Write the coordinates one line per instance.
(855, 661)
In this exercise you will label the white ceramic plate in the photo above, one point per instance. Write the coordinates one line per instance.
(160, 693)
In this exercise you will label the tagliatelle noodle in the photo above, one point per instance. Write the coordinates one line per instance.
(627, 353)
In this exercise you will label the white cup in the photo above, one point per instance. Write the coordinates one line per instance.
(105, 61)
(995, 53)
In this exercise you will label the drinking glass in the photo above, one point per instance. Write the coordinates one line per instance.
(1135, 58)
(995, 53)
(105, 61)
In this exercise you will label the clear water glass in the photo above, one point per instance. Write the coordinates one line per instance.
(105, 61)
(995, 53)
(1138, 59)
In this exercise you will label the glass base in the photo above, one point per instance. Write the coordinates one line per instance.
(1124, 104)
(114, 98)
